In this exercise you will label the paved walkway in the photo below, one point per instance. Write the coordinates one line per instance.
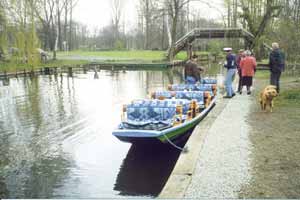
(217, 164)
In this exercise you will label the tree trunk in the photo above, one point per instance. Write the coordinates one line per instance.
(163, 32)
(59, 30)
(263, 24)
(147, 21)
(65, 26)
(70, 26)
(229, 15)
(53, 40)
(173, 36)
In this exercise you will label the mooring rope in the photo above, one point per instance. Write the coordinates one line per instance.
(184, 149)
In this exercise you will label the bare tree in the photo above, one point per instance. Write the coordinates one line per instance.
(60, 6)
(3, 31)
(45, 11)
(148, 11)
(257, 21)
(174, 7)
(117, 7)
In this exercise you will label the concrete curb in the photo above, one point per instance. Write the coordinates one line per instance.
(183, 171)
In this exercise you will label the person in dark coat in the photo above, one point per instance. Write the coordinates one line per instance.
(276, 64)
(239, 58)
(192, 71)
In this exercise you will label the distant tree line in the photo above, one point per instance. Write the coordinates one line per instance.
(159, 24)
(26, 25)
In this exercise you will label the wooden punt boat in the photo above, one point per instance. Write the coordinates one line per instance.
(165, 117)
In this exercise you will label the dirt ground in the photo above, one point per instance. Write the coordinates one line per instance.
(275, 138)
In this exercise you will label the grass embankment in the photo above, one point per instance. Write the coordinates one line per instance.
(290, 95)
(83, 57)
(116, 55)
(275, 156)
(13, 67)
(135, 55)
(290, 87)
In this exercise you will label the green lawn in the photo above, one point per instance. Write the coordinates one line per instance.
(263, 74)
(13, 67)
(145, 55)
(82, 57)
(290, 88)
(290, 96)
(133, 55)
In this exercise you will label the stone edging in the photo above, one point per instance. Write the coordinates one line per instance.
(183, 171)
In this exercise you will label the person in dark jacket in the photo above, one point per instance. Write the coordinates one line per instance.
(192, 71)
(230, 65)
(277, 64)
(239, 58)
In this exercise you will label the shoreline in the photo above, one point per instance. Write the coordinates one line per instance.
(266, 131)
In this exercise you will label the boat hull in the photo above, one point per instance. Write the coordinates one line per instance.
(164, 136)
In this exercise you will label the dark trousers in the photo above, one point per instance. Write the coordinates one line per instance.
(274, 80)
(240, 81)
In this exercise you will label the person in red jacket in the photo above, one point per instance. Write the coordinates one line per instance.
(248, 69)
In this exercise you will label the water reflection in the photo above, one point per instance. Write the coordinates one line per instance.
(145, 170)
(32, 162)
(56, 142)
(5, 81)
(3, 189)
(147, 167)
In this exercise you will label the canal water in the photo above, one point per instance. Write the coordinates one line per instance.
(56, 141)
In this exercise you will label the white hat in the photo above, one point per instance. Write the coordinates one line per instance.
(248, 53)
(227, 49)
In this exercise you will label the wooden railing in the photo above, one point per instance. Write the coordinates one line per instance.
(213, 33)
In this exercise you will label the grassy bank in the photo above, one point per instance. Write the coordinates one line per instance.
(13, 67)
(83, 57)
(117, 55)
(145, 55)
(290, 98)
(275, 157)
(290, 92)
(290, 95)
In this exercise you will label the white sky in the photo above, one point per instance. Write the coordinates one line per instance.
(97, 13)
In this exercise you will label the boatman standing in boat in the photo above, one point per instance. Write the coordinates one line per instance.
(230, 65)
(192, 71)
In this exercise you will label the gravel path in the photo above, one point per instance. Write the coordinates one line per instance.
(223, 164)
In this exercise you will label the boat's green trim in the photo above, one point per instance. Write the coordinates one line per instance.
(178, 132)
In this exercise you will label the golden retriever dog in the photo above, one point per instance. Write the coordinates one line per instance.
(266, 97)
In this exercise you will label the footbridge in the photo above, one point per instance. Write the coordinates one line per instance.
(214, 33)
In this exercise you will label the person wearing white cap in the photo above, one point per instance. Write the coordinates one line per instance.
(230, 65)
(227, 49)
